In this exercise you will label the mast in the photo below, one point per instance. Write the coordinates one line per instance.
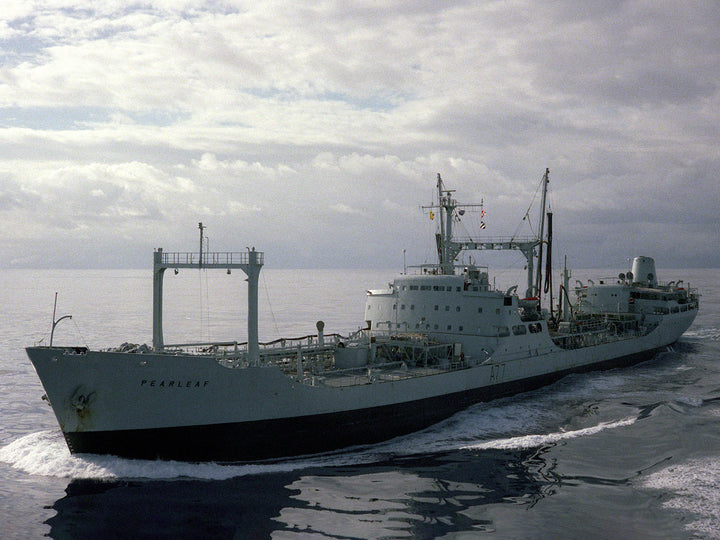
(202, 228)
(566, 286)
(441, 238)
(538, 271)
(448, 249)
(447, 206)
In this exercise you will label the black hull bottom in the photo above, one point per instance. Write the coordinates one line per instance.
(268, 439)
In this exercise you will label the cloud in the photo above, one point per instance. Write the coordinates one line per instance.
(345, 209)
(281, 122)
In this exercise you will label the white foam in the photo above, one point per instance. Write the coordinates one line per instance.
(45, 453)
(506, 422)
(696, 487)
(712, 334)
(533, 441)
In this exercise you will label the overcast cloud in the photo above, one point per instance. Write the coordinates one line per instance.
(314, 130)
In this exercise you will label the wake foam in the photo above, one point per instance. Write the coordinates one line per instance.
(712, 334)
(45, 453)
(696, 489)
(534, 441)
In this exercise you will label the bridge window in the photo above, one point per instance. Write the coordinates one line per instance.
(519, 330)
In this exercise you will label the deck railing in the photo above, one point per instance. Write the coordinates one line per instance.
(218, 258)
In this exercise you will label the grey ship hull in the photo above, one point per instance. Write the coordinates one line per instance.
(192, 408)
(283, 437)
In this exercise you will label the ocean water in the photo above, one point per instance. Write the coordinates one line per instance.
(630, 453)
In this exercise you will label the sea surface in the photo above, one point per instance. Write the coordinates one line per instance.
(626, 453)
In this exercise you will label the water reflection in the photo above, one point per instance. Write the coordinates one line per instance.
(184, 508)
(420, 497)
(423, 496)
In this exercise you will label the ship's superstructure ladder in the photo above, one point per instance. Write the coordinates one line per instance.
(249, 261)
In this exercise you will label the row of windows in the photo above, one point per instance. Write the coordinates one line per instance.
(520, 329)
(447, 308)
(675, 309)
(430, 288)
(418, 326)
(654, 296)
(447, 288)
(503, 331)
(436, 308)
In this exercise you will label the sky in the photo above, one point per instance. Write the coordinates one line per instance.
(314, 131)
